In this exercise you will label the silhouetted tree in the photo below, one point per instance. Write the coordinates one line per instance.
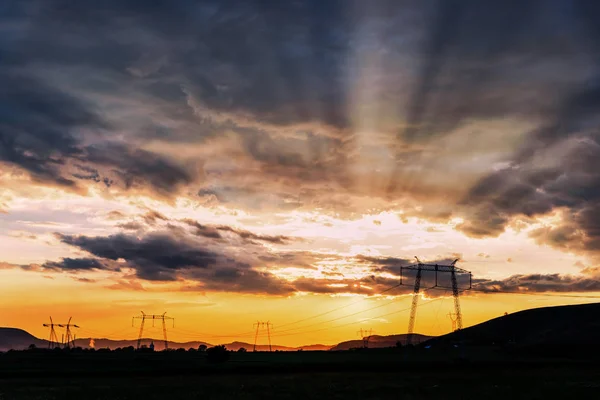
(242, 350)
(217, 354)
(202, 348)
(32, 347)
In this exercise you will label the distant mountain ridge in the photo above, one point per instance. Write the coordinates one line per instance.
(19, 339)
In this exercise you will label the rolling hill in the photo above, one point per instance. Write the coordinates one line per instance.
(547, 326)
(18, 339)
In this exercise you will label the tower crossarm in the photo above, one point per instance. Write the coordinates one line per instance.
(435, 267)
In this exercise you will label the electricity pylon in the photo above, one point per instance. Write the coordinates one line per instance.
(161, 317)
(265, 326)
(53, 340)
(420, 268)
(365, 335)
(69, 337)
(415, 301)
(453, 318)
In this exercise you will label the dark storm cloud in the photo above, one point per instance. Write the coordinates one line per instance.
(36, 120)
(279, 61)
(68, 264)
(214, 266)
(164, 257)
(44, 126)
(465, 63)
(525, 59)
(39, 133)
(385, 261)
(238, 280)
(214, 231)
(210, 266)
(152, 216)
(509, 59)
(154, 257)
(541, 283)
(138, 168)
(528, 188)
(207, 231)
(247, 235)
(185, 68)
(88, 173)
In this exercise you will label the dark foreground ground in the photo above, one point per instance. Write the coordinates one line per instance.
(366, 375)
(552, 383)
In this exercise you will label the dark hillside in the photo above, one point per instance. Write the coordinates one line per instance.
(576, 325)
(18, 339)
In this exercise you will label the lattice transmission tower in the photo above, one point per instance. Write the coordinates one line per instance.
(154, 317)
(53, 340)
(69, 336)
(436, 268)
(453, 319)
(264, 326)
(365, 335)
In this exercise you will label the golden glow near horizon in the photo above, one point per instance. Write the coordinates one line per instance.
(103, 303)
(291, 173)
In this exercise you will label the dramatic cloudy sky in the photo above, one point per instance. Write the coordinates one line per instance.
(231, 161)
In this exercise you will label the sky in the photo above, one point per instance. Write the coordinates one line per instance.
(230, 161)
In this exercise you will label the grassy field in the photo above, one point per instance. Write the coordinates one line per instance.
(302, 375)
(545, 383)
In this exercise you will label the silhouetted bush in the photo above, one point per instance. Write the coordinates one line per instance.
(202, 348)
(242, 350)
(103, 350)
(217, 354)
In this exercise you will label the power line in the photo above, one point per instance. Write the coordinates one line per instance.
(342, 317)
(338, 308)
(354, 322)
(350, 315)
(211, 335)
(289, 332)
